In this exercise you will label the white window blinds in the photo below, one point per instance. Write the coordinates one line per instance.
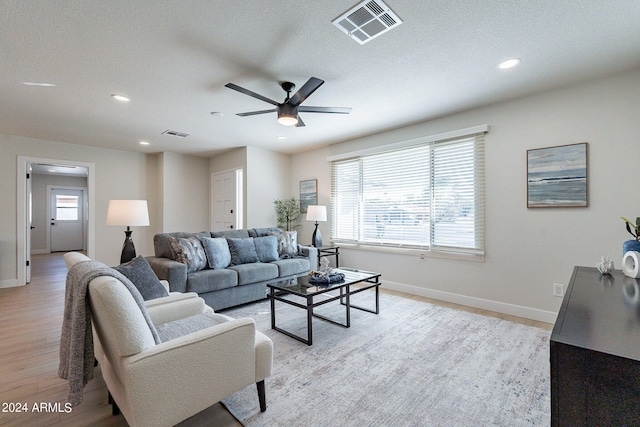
(428, 196)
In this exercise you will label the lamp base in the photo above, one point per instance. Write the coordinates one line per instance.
(316, 239)
(128, 250)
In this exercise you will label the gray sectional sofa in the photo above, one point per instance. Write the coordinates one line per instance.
(230, 268)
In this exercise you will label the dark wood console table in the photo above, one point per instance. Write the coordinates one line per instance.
(595, 352)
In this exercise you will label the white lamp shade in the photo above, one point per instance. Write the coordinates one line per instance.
(127, 213)
(316, 213)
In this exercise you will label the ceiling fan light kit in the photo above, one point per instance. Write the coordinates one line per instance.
(287, 111)
(287, 115)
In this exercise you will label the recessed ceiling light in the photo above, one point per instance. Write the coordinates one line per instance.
(282, 137)
(120, 97)
(38, 84)
(217, 114)
(509, 63)
(144, 142)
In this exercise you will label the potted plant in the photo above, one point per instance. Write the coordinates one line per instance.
(287, 213)
(634, 230)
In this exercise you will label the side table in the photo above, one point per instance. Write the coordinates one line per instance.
(325, 251)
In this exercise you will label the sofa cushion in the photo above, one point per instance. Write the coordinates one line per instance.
(139, 272)
(243, 251)
(287, 242)
(261, 232)
(188, 251)
(217, 251)
(266, 248)
(255, 272)
(231, 234)
(291, 266)
(211, 280)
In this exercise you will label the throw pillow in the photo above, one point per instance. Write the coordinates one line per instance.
(188, 251)
(243, 251)
(266, 248)
(139, 272)
(217, 251)
(287, 242)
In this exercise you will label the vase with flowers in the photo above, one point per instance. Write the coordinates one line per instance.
(634, 230)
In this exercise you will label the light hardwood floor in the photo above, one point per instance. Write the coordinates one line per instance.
(30, 325)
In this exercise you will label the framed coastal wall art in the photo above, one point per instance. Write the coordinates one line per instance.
(308, 194)
(557, 176)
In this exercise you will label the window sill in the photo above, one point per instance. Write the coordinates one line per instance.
(438, 254)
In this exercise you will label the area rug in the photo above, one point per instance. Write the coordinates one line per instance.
(414, 364)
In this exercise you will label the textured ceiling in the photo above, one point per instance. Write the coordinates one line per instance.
(173, 58)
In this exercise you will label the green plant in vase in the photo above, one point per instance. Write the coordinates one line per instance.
(287, 213)
(634, 230)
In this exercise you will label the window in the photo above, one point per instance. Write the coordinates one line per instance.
(427, 195)
(66, 207)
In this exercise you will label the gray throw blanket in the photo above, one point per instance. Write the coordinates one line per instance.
(76, 340)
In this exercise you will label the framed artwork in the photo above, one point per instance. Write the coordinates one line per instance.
(557, 176)
(308, 194)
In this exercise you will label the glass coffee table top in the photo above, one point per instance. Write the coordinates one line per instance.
(301, 286)
(314, 295)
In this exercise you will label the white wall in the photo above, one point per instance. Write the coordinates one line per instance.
(313, 165)
(185, 192)
(118, 175)
(267, 177)
(527, 250)
(175, 186)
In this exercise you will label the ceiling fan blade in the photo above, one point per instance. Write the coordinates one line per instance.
(333, 110)
(307, 89)
(253, 113)
(250, 93)
(300, 123)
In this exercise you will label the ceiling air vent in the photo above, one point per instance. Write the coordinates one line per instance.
(175, 133)
(367, 20)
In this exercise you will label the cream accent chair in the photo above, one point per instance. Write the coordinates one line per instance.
(164, 384)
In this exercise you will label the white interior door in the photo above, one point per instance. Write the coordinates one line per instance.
(29, 227)
(226, 203)
(66, 211)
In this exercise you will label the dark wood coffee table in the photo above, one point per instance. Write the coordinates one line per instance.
(355, 281)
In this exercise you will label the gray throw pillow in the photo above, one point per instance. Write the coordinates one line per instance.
(266, 248)
(243, 251)
(217, 251)
(287, 243)
(188, 251)
(139, 272)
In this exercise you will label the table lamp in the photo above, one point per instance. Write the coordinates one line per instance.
(127, 213)
(316, 213)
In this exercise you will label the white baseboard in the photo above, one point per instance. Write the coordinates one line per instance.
(8, 283)
(484, 304)
(39, 251)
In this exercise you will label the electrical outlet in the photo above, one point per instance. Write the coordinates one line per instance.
(558, 290)
(421, 256)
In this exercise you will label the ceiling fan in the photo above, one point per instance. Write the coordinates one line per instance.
(288, 109)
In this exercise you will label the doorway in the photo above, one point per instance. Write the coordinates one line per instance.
(24, 206)
(66, 210)
(226, 200)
